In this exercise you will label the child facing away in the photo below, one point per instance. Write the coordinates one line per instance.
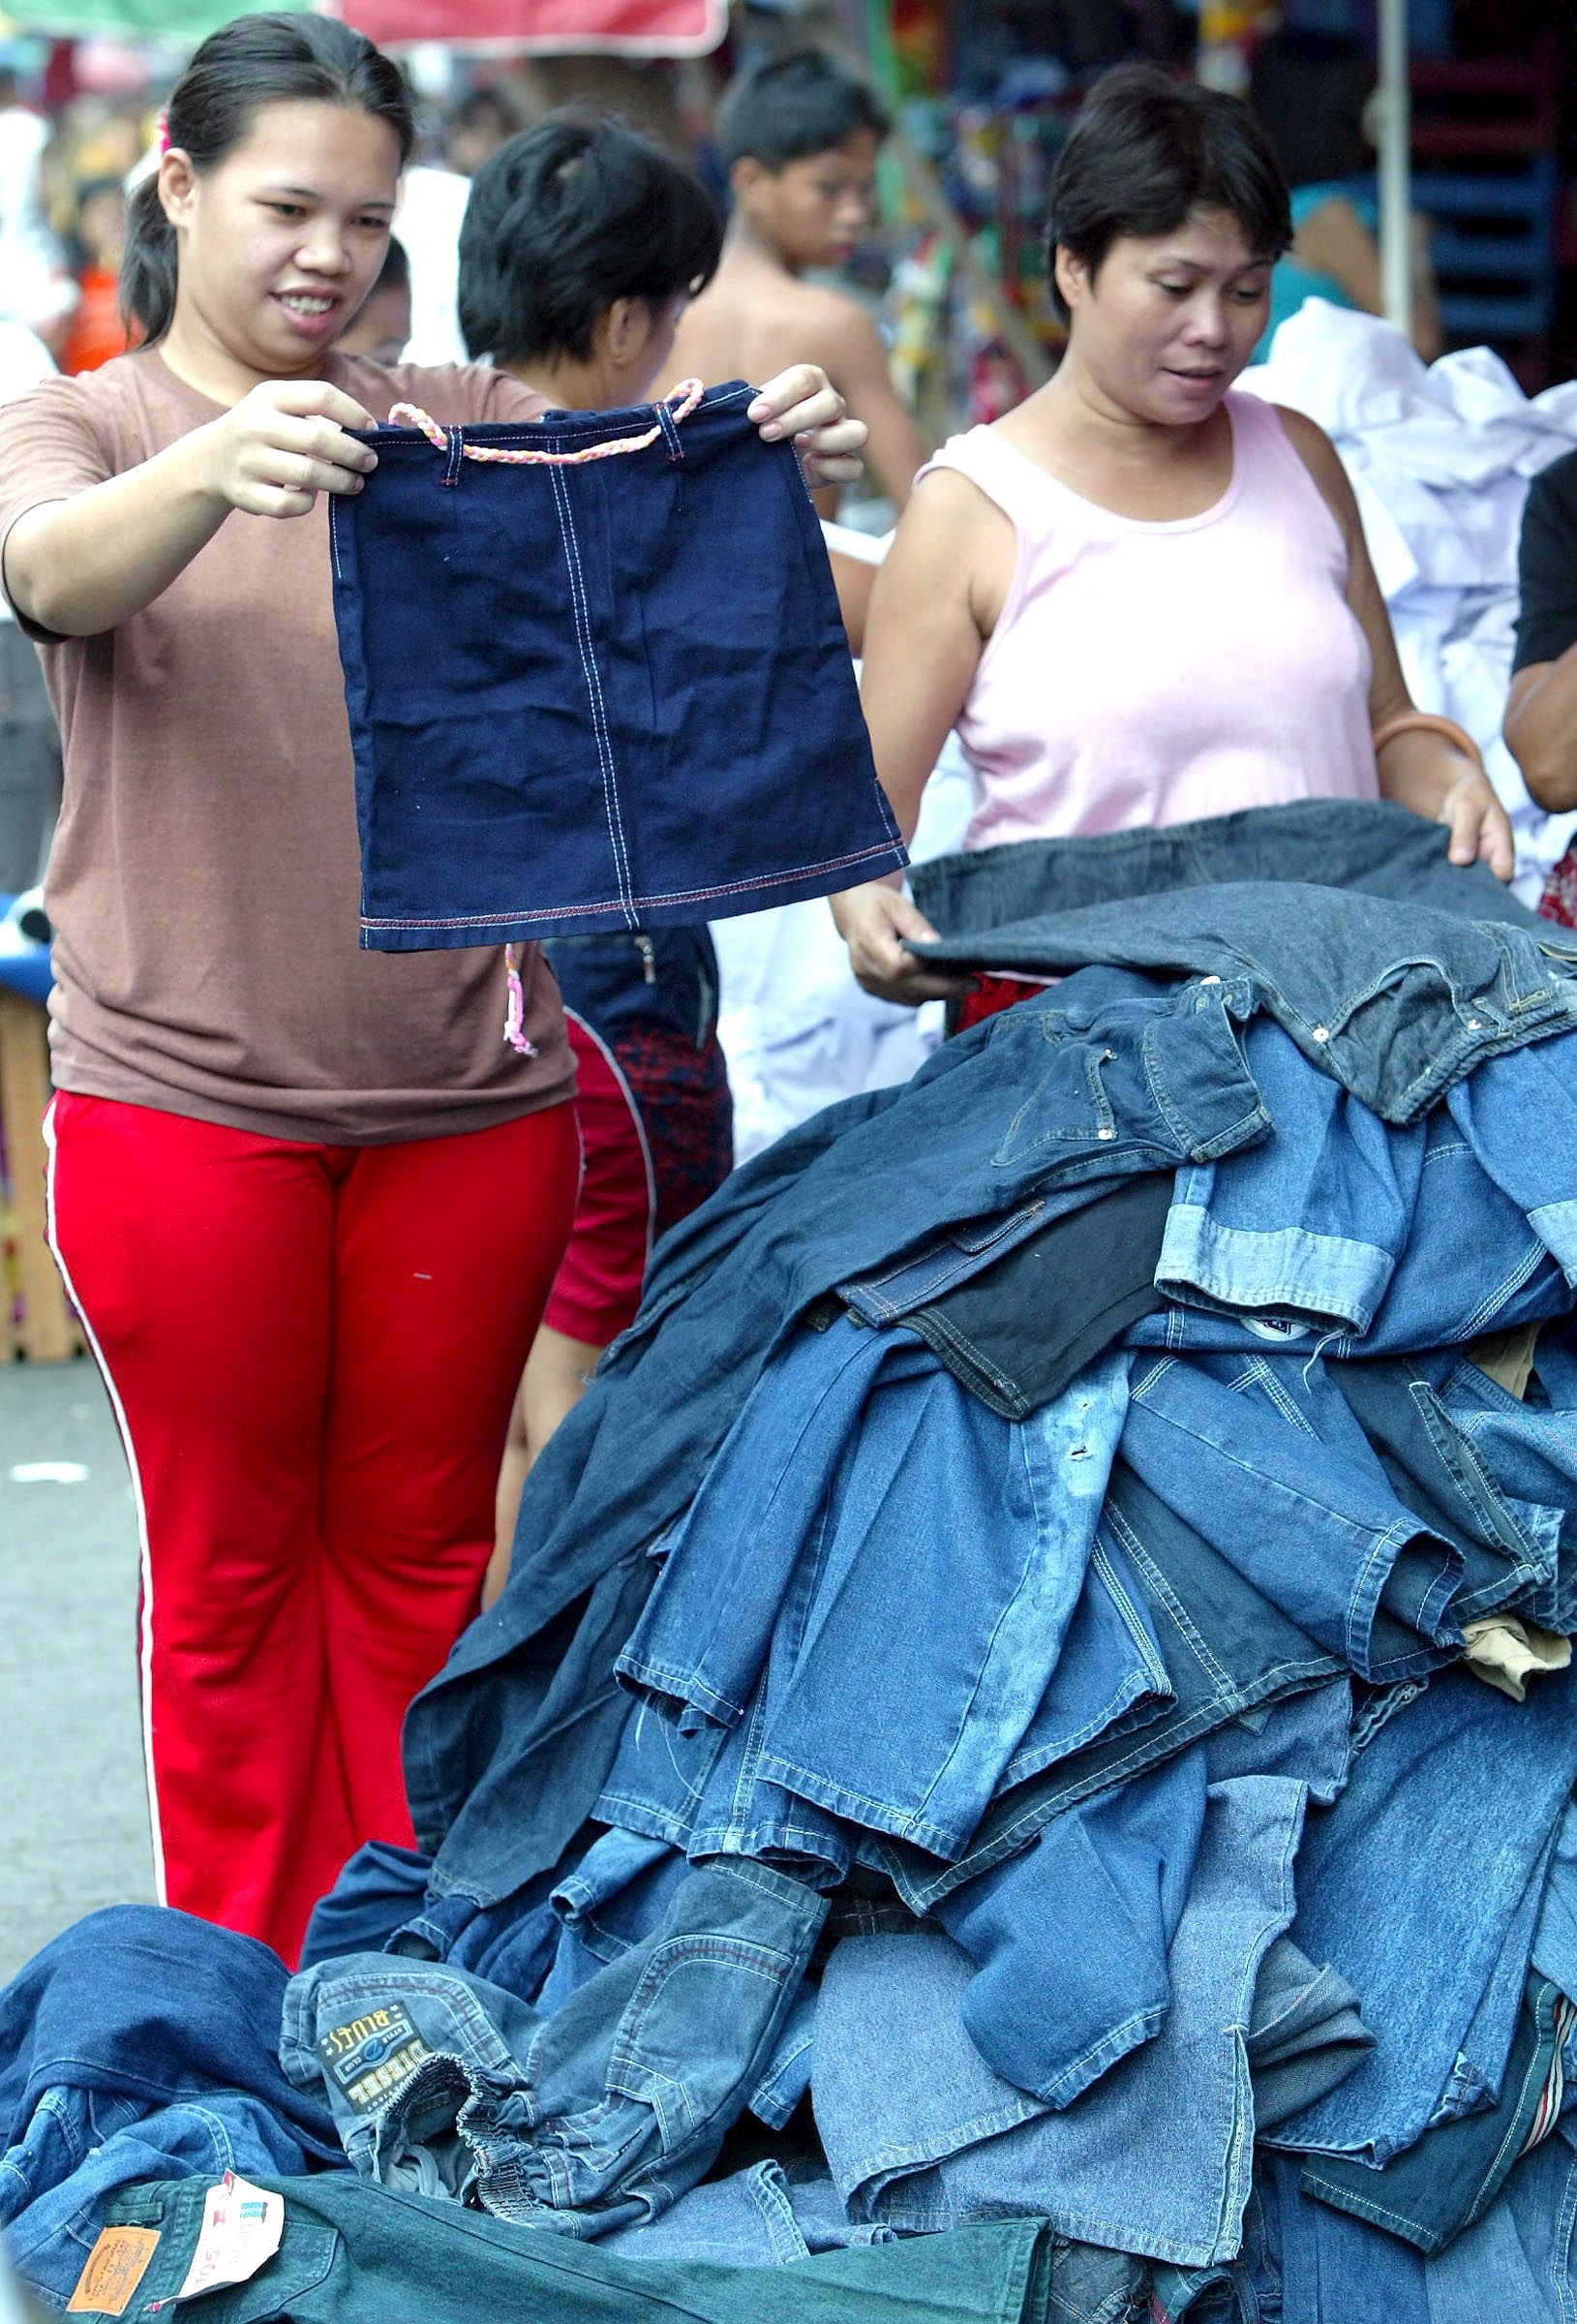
(800, 134)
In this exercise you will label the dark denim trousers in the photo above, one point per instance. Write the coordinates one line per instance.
(354, 2254)
(598, 2114)
(138, 2045)
(506, 1750)
(1513, 2266)
(1423, 1886)
(1169, 1643)
(1455, 2172)
(895, 1523)
(1398, 1000)
(1373, 846)
(618, 980)
(1366, 1240)
(603, 696)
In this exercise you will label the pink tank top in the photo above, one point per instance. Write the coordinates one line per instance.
(1145, 674)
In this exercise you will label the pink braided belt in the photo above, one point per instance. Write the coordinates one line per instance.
(681, 404)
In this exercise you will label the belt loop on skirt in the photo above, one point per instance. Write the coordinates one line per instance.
(670, 429)
(456, 449)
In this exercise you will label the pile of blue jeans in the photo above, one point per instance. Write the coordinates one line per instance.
(1037, 1684)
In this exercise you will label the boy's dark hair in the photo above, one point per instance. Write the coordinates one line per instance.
(566, 218)
(1145, 151)
(1308, 89)
(250, 62)
(789, 106)
(395, 272)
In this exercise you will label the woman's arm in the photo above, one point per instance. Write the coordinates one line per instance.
(80, 565)
(1334, 240)
(1540, 726)
(1421, 771)
(1541, 730)
(923, 638)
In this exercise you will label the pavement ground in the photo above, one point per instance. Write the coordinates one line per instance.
(74, 1814)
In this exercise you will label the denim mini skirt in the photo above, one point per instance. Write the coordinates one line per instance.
(602, 690)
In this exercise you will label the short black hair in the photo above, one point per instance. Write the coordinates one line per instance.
(794, 105)
(395, 272)
(1308, 89)
(1145, 151)
(566, 218)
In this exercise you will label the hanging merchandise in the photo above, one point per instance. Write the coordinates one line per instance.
(596, 678)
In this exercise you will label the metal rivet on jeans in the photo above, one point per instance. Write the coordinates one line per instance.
(1106, 1133)
(1321, 1033)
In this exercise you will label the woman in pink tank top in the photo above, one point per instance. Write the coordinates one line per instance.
(1139, 597)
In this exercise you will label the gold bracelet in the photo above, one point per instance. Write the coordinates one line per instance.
(1425, 721)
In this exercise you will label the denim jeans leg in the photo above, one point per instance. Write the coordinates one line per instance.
(1417, 1929)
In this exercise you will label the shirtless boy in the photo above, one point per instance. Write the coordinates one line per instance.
(800, 134)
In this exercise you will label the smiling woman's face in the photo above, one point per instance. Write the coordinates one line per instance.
(1168, 321)
(281, 241)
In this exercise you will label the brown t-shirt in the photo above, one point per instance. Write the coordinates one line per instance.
(204, 882)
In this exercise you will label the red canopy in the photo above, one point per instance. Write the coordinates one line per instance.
(628, 27)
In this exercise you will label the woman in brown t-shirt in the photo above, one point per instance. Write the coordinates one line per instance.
(307, 1199)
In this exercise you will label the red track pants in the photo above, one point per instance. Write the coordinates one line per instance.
(313, 1352)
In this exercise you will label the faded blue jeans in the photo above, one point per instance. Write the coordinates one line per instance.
(596, 2116)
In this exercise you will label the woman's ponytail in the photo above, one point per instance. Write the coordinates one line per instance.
(149, 267)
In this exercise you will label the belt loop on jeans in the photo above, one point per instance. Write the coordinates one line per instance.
(670, 429)
(457, 448)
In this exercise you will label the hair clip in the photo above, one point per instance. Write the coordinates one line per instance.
(161, 134)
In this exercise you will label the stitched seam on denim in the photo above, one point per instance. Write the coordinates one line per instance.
(679, 1686)
(1240, 2154)
(647, 902)
(904, 1823)
(569, 427)
(656, 1823)
(1566, 2218)
(946, 1266)
(1114, 2234)
(740, 1956)
(1183, 1132)
(1131, 1614)
(334, 534)
(1490, 1305)
(777, 2076)
(1525, 2114)
(437, 1983)
(1078, 2076)
(1026, 1447)
(970, 1354)
(594, 688)
(740, 1843)
(1019, 2108)
(1179, 1734)
(1192, 1635)
(1370, 1578)
(1219, 1253)
(1458, 1456)
(1260, 1375)
(1026, 1764)
(1363, 1606)
(771, 2202)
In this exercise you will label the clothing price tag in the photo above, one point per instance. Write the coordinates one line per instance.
(115, 2266)
(241, 2229)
